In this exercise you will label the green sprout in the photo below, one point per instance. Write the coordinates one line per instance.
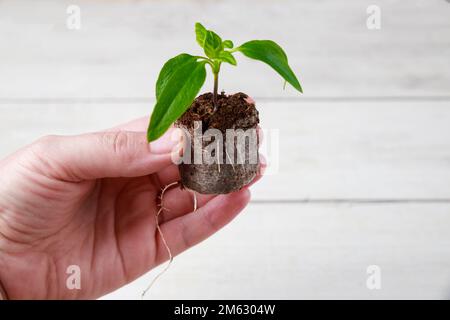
(182, 77)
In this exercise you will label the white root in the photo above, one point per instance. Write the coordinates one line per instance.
(229, 158)
(169, 252)
(218, 161)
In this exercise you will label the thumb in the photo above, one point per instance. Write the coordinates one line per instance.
(104, 154)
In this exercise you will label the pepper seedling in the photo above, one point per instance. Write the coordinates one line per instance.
(182, 77)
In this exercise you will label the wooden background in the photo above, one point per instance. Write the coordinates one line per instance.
(364, 168)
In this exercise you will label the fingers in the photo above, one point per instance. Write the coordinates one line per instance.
(261, 170)
(173, 135)
(168, 175)
(188, 230)
(250, 100)
(178, 202)
(102, 154)
(169, 142)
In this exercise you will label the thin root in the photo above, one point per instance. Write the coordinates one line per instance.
(229, 158)
(169, 252)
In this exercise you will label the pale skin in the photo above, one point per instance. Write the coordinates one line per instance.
(90, 200)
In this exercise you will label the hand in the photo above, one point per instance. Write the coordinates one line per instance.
(90, 200)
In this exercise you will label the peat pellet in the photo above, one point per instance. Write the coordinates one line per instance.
(234, 114)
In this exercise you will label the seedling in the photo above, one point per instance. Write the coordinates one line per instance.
(178, 84)
(182, 77)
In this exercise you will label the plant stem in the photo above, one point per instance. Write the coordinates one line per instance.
(216, 86)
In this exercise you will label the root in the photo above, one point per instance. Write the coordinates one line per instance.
(218, 162)
(231, 160)
(161, 234)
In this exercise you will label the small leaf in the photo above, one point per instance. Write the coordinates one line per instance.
(213, 44)
(227, 57)
(200, 32)
(169, 69)
(176, 97)
(228, 44)
(271, 53)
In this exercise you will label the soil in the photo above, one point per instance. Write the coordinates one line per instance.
(232, 112)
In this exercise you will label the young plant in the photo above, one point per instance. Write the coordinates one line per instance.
(182, 77)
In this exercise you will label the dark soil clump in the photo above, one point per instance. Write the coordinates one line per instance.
(233, 112)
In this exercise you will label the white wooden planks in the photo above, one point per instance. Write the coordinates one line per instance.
(314, 251)
(121, 46)
(374, 163)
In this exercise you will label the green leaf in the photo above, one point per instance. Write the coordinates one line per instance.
(200, 32)
(213, 44)
(168, 70)
(176, 97)
(271, 53)
(228, 44)
(227, 57)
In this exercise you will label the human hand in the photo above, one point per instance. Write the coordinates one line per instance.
(90, 200)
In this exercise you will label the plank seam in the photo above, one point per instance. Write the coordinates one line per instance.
(353, 201)
(119, 100)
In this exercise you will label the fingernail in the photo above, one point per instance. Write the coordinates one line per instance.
(168, 143)
(250, 100)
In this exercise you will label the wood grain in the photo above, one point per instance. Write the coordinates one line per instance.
(364, 166)
(122, 45)
(314, 251)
